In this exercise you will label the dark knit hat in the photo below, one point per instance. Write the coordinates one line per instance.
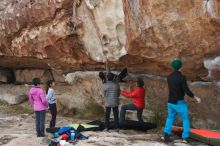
(176, 64)
(140, 82)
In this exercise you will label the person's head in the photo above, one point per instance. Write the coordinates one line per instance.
(176, 64)
(140, 82)
(101, 75)
(49, 84)
(110, 77)
(36, 81)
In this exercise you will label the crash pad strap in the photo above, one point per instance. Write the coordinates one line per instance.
(206, 133)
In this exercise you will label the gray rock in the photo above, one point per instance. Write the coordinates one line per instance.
(13, 94)
(26, 75)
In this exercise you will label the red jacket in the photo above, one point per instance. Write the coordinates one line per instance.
(138, 95)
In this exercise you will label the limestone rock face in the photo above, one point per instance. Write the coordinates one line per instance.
(104, 30)
(26, 76)
(13, 94)
(61, 34)
(145, 35)
(160, 30)
(85, 87)
(213, 67)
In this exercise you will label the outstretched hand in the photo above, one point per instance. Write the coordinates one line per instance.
(198, 100)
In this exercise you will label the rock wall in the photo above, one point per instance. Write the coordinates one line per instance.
(83, 94)
(85, 87)
(159, 30)
(12, 94)
(26, 76)
(53, 38)
(103, 28)
(62, 35)
(144, 35)
(6, 76)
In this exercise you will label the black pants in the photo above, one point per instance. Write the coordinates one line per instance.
(107, 116)
(40, 123)
(133, 108)
(53, 111)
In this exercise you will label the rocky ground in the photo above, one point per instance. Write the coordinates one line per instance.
(20, 130)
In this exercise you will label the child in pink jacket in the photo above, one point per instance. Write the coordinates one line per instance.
(38, 99)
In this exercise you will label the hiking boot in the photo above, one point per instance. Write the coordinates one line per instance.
(186, 141)
(165, 138)
(42, 135)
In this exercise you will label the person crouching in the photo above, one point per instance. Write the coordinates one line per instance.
(138, 96)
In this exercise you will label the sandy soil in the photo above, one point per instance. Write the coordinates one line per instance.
(20, 131)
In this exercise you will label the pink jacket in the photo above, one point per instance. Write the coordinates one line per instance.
(37, 98)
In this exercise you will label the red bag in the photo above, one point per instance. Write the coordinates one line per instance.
(64, 137)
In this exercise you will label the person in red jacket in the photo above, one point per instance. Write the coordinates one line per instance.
(138, 95)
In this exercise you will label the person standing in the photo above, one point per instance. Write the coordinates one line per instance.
(38, 100)
(177, 85)
(111, 93)
(138, 95)
(51, 99)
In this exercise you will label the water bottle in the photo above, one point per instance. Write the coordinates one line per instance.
(72, 135)
(56, 135)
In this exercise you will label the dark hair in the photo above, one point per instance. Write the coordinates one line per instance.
(140, 82)
(48, 85)
(110, 76)
(101, 75)
(36, 81)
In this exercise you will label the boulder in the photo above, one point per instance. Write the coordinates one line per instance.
(26, 75)
(58, 76)
(12, 94)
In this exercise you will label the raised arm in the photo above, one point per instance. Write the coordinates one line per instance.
(129, 95)
(189, 92)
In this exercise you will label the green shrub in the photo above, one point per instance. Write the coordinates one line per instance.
(158, 118)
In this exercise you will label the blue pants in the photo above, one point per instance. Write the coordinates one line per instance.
(182, 109)
(40, 122)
